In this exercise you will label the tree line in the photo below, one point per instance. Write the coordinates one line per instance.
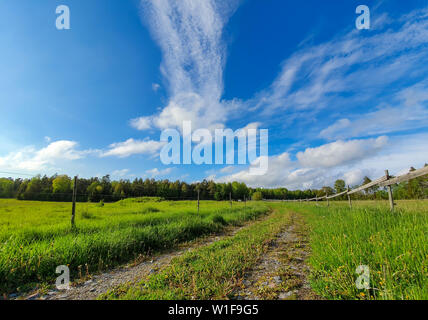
(59, 188)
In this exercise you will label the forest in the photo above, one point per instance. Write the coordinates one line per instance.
(59, 188)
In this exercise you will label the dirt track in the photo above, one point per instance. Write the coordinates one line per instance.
(282, 272)
(95, 285)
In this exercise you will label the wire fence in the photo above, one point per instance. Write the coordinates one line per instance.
(384, 181)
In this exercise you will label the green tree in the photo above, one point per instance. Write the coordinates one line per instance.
(6, 188)
(339, 186)
(327, 191)
(62, 184)
(257, 196)
(185, 190)
(95, 191)
(34, 189)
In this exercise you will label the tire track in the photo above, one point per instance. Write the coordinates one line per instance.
(95, 285)
(282, 273)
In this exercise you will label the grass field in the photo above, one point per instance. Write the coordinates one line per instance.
(36, 237)
(211, 272)
(393, 245)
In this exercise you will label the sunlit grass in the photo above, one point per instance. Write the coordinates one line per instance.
(393, 245)
(36, 237)
(211, 272)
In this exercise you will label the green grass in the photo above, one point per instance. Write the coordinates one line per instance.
(35, 237)
(393, 245)
(211, 272)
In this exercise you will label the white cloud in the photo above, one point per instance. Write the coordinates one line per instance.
(342, 125)
(355, 177)
(131, 147)
(120, 173)
(401, 153)
(279, 167)
(340, 152)
(282, 172)
(397, 156)
(157, 173)
(189, 34)
(142, 123)
(33, 160)
(227, 169)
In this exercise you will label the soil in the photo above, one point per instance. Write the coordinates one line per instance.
(282, 273)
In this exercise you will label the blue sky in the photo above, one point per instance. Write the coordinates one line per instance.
(338, 102)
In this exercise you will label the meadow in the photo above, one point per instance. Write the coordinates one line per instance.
(392, 244)
(36, 237)
(210, 272)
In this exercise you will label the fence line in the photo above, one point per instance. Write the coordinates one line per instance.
(406, 177)
(369, 185)
(385, 181)
(338, 195)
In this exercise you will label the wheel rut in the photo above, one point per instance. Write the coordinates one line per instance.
(92, 286)
(282, 272)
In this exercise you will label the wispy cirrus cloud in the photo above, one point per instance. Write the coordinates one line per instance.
(355, 85)
(356, 70)
(410, 112)
(189, 34)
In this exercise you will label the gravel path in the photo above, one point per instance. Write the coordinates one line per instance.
(98, 284)
(282, 273)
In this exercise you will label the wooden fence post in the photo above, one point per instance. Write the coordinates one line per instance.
(316, 200)
(198, 201)
(391, 198)
(349, 199)
(73, 209)
(328, 200)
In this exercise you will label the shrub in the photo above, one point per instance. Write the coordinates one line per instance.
(219, 219)
(257, 196)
